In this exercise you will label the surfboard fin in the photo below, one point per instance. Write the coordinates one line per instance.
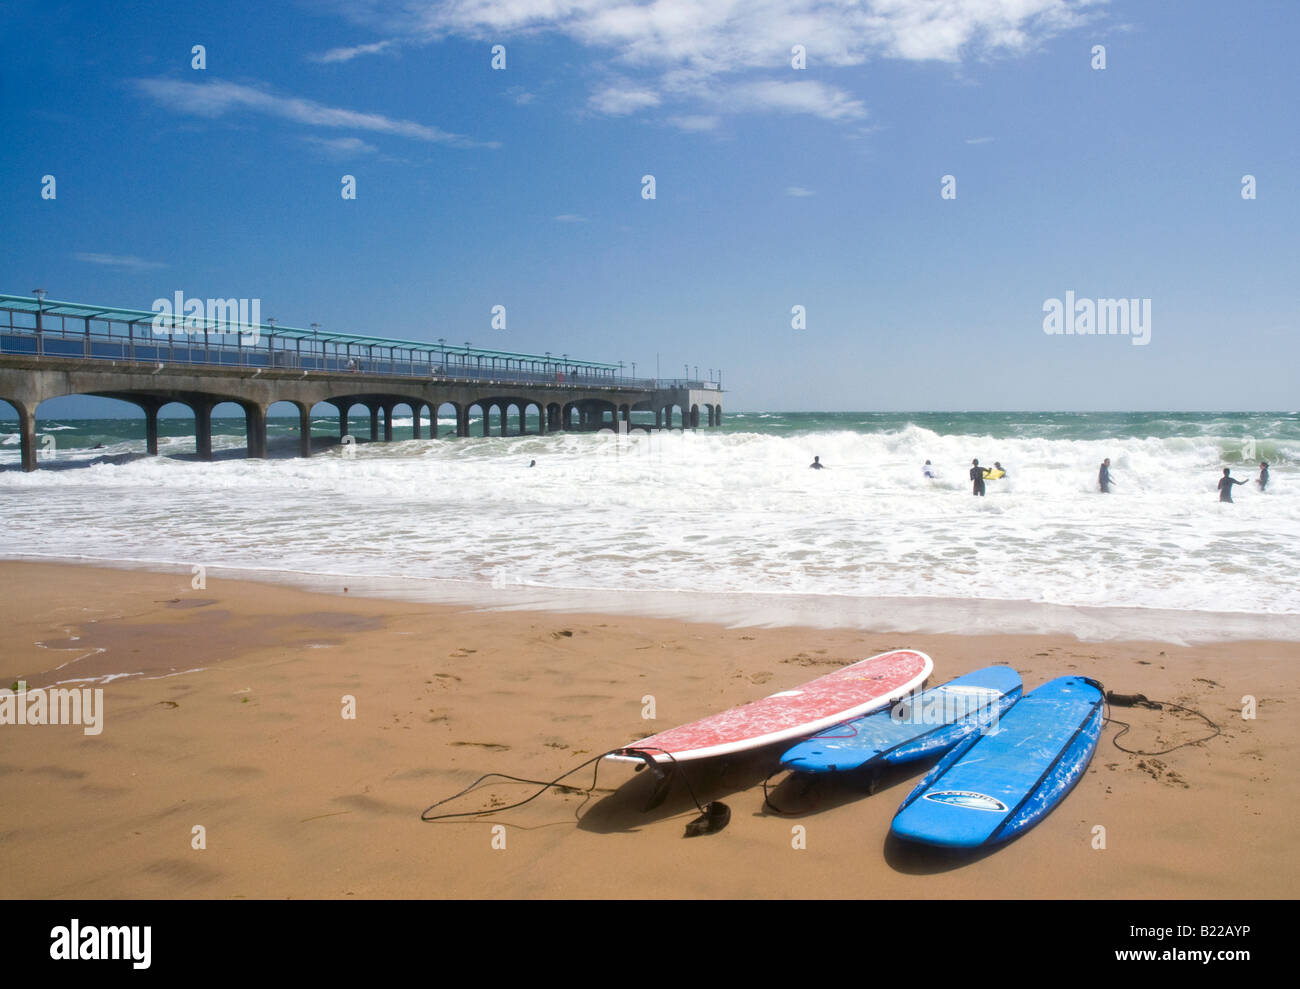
(663, 780)
(716, 816)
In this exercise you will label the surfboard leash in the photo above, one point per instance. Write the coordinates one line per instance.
(714, 816)
(541, 784)
(1140, 700)
(767, 797)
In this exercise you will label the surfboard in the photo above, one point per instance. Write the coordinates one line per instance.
(992, 473)
(919, 725)
(995, 785)
(789, 714)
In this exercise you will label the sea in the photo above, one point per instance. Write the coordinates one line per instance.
(725, 524)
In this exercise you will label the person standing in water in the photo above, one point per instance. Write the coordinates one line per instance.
(1263, 475)
(1103, 476)
(817, 464)
(1225, 486)
(927, 470)
(977, 478)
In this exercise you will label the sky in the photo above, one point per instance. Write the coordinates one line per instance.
(934, 174)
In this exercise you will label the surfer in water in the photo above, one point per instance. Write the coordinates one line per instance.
(977, 478)
(817, 464)
(1263, 475)
(927, 470)
(998, 466)
(1103, 477)
(1225, 486)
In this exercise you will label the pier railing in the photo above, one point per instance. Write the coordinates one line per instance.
(109, 336)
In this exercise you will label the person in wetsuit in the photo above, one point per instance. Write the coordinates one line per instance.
(1103, 476)
(928, 470)
(817, 464)
(977, 478)
(1263, 475)
(1225, 485)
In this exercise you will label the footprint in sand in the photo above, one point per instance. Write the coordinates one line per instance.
(1159, 772)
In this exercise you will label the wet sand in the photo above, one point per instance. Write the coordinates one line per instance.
(230, 720)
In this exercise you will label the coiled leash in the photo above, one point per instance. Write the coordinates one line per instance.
(714, 816)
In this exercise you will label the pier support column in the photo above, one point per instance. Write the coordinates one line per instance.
(659, 418)
(668, 417)
(255, 428)
(388, 424)
(523, 420)
(487, 419)
(343, 422)
(203, 429)
(374, 422)
(695, 417)
(462, 421)
(304, 430)
(151, 430)
(415, 420)
(27, 429)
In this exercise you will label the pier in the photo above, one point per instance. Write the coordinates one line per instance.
(50, 349)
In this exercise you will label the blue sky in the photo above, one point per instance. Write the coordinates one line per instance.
(775, 186)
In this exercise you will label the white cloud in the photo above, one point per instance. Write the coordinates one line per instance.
(798, 191)
(128, 261)
(804, 96)
(979, 140)
(341, 147)
(348, 54)
(571, 218)
(618, 100)
(694, 122)
(520, 96)
(215, 99)
(714, 51)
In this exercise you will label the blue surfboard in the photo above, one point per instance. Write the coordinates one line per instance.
(994, 785)
(919, 725)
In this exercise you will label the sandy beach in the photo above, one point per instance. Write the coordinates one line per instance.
(232, 722)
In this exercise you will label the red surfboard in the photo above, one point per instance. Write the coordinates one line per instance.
(787, 715)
